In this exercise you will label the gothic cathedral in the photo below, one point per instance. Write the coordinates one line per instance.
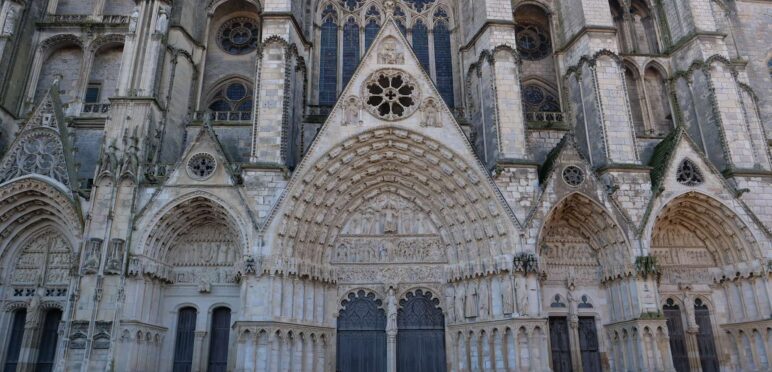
(385, 185)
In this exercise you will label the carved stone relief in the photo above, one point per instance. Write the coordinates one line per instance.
(204, 256)
(50, 254)
(390, 52)
(431, 113)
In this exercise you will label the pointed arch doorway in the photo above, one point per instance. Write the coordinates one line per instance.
(361, 334)
(421, 334)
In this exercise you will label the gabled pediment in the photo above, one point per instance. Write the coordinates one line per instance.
(204, 162)
(42, 146)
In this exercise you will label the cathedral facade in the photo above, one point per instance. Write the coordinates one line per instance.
(385, 185)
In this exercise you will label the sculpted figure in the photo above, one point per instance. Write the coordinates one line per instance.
(351, 111)
(431, 114)
(507, 295)
(391, 307)
(470, 303)
(163, 22)
(522, 295)
(389, 54)
(10, 21)
(133, 20)
(459, 300)
(484, 299)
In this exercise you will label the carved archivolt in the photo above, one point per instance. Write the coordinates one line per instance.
(446, 193)
(580, 238)
(694, 232)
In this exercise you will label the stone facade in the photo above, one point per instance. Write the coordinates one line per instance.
(385, 185)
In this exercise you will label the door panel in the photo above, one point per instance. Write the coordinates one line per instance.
(677, 339)
(705, 341)
(48, 341)
(561, 349)
(219, 341)
(588, 343)
(361, 334)
(14, 342)
(421, 334)
(183, 345)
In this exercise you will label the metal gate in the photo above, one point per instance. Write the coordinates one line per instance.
(183, 344)
(361, 334)
(421, 334)
(588, 343)
(677, 339)
(218, 343)
(705, 342)
(48, 340)
(561, 348)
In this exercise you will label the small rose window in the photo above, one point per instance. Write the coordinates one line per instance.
(238, 36)
(573, 175)
(391, 95)
(201, 166)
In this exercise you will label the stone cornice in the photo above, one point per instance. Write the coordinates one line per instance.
(295, 24)
(482, 30)
(584, 31)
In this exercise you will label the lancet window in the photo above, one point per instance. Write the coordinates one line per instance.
(347, 29)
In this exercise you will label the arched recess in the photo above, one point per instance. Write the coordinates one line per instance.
(231, 100)
(535, 46)
(103, 78)
(637, 98)
(234, 31)
(697, 241)
(59, 58)
(184, 235)
(455, 197)
(658, 99)
(636, 26)
(581, 237)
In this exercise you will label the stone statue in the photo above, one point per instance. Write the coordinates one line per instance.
(351, 109)
(32, 309)
(391, 308)
(10, 22)
(162, 24)
(389, 54)
(458, 301)
(522, 295)
(507, 295)
(484, 299)
(470, 303)
(449, 301)
(431, 113)
(91, 262)
(573, 304)
(133, 19)
(204, 283)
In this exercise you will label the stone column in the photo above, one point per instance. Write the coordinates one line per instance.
(391, 331)
(31, 340)
(199, 351)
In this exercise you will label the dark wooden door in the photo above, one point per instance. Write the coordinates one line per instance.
(183, 344)
(421, 334)
(561, 348)
(589, 345)
(218, 341)
(361, 334)
(14, 341)
(677, 339)
(705, 341)
(48, 340)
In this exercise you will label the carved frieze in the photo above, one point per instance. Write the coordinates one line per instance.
(390, 274)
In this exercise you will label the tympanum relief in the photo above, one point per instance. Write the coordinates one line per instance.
(204, 256)
(683, 256)
(388, 230)
(45, 261)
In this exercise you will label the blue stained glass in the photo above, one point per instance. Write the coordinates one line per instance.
(421, 43)
(371, 31)
(328, 63)
(419, 5)
(443, 62)
(350, 49)
(236, 92)
(399, 17)
(246, 105)
(220, 106)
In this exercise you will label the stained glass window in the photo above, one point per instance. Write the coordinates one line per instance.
(233, 97)
(443, 62)
(328, 64)
(421, 43)
(537, 99)
(419, 5)
(373, 26)
(533, 42)
(350, 49)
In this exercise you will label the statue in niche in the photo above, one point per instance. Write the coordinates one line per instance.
(431, 111)
(351, 110)
(507, 295)
(471, 309)
(573, 316)
(390, 220)
(389, 55)
(32, 309)
(133, 19)
(522, 295)
(10, 22)
(162, 24)
(114, 257)
(459, 300)
(204, 283)
(391, 307)
(449, 301)
(91, 262)
(484, 299)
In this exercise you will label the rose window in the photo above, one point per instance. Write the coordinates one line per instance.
(533, 43)
(688, 174)
(201, 166)
(238, 36)
(391, 95)
(573, 176)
